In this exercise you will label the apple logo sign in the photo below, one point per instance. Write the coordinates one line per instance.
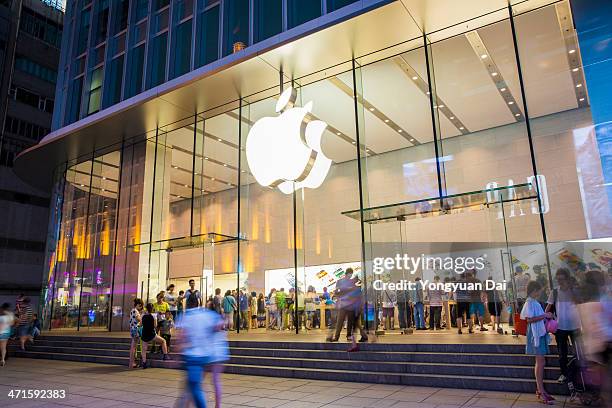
(285, 151)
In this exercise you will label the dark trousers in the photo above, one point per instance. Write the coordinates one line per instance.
(343, 314)
(167, 337)
(563, 337)
(435, 316)
(404, 315)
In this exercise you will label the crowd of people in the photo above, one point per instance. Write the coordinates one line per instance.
(20, 323)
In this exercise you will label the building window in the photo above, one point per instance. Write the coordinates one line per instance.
(301, 11)
(236, 26)
(95, 91)
(102, 23)
(74, 101)
(83, 35)
(157, 60)
(30, 67)
(40, 27)
(207, 42)
(182, 48)
(133, 84)
(115, 82)
(25, 129)
(121, 15)
(333, 5)
(268, 19)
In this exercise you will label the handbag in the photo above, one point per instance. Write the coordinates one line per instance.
(551, 326)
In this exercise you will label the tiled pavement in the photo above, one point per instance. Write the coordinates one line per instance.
(106, 386)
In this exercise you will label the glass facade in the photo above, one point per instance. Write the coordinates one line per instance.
(455, 145)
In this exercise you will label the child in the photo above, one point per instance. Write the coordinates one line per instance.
(35, 326)
(537, 337)
(165, 328)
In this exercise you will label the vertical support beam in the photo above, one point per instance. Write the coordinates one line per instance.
(93, 156)
(239, 181)
(152, 209)
(117, 207)
(358, 145)
(530, 140)
(193, 165)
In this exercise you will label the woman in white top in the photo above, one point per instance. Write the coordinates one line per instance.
(537, 337)
(170, 298)
(310, 306)
(7, 319)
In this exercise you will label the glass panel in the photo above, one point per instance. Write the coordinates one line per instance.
(157, 60)
(102, 22)
(83, 35)
(114, 82)
(75, 91)
(95, 90)
(182, 48)
(121, 15)
(236, 26)
(268, 19)
(301, 11)
(134, 71)
(333, 5)
(207, 43)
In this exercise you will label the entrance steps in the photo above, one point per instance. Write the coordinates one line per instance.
(477, 366)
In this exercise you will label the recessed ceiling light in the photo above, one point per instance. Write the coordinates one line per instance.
(517, 114)
(212, 178)
(578, 85)
(338, 133)
(386, 120)
(206, 158)
(229, 184)
(483, 56)
(427, 92)
(503, 89)
(244, 171)
(103, 178)
(219, 139)
(175, 167)
(353, 142)
(412, 140)
(82, 185)
(224, 165)
(414, 78)
(187, 185)
(461, 128)
(196, 173)
(452, 118)
(441, 106)
(576, 69)
(103, 190)
(511, 103)
(581, 99)
(372, 109)
(572, 51)
(494, 73)
(400, 130)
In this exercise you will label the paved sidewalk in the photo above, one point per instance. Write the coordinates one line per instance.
(105, 386)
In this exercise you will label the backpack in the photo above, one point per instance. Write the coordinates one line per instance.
(192, 301)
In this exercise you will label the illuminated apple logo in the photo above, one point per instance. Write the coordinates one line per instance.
(285, 151)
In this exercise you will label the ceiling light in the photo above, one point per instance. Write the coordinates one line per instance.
(461, 128)
(196, 173)
(400, 130)
(175, 167)
(427, 92)
(386, 120)
(517, 114)
(576, 69)
(494, 73)
(244, 171)
(103, 190)
(412, 140)
(581, 99)
(224, 165)
(579, 85)
(103, 178)
(371, 109)
(212, 178)
(484, 56)
(353, 142)
(414, 78)
(82, 185)
(503, 89)
(219, 139)
(179, 197)
(452, 118)
(572, 51)
(206, 158)
(187, 185)
(441, 106)
(511, 103)
(338, 133)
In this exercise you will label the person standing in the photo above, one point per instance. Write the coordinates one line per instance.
(218, 302)
(389, 301)
(160, 306)
(462, 308)
(273, 310)
(419, 309)
(476, 303)
(537, 337)
(253, 309)
(7, 319)
(193, 298)
(495, 305)
(171, 299)
(261, 311)
(135, 324)
(310, 307)
(328, 304)
(563, 302)
(179, 304)
(24, 322)
(404, 312)
(243, 301)
(165, 328)
(435, 305)
(281, 304)
(229, 308)
(521, 280)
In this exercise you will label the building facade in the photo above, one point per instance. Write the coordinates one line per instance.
(30, 35)
(258, 145)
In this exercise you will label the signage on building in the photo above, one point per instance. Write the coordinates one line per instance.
(516, 208)
(285, 151)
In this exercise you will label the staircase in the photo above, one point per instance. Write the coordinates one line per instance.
(480, 366)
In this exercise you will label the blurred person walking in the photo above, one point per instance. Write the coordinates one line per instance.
(24, 322)
(204, 346)
(562, 303)
(7, 319)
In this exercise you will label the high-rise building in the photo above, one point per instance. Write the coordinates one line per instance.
(30, 36)
(256, 145)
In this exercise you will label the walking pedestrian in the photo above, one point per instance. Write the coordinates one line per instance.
(24, 322)
(7, 319)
